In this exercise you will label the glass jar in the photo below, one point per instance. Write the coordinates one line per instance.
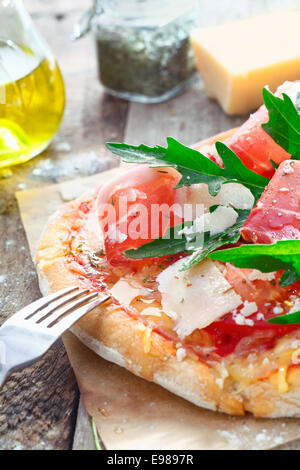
(32, 95)
(143, 47)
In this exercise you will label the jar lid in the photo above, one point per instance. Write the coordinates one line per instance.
(135, 12)
(147, 11)
(83, 26)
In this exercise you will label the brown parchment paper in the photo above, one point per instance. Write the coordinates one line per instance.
(131, 413)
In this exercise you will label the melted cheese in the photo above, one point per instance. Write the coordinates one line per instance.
(147, 340)
(197, 297)
(124, 293)
(295, 359)
(282, 384)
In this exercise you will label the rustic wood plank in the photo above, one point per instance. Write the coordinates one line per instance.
(189, 118)
(38, 406)
(83, 438)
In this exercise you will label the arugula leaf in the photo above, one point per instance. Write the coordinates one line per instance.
(284, 254)
(235, 170)
(169, 244)
(193, 166)
(211, 244)
(172, 243)
(289, 276)
(288, 319)
(274, 164)
(284, 122)
(298, 102)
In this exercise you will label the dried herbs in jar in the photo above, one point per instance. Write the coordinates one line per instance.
(143, 47)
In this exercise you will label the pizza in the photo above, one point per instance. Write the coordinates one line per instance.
(199, 302)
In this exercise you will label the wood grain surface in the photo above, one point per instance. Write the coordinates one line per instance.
(38, 407)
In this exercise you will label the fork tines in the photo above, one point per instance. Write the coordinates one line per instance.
(29, 334)
(68, 304)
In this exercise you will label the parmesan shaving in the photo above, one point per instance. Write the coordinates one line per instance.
(124, 293)
(197, 297)
(256, 275)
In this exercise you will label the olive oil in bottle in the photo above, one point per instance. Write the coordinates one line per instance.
(32, 99)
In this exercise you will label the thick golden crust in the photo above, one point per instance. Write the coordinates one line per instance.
(119, 338)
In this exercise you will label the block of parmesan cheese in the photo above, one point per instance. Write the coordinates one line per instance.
(237, 60)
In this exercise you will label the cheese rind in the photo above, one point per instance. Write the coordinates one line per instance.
(237, 60)
(197, 297)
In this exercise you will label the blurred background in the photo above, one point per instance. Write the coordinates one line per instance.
(92, 117)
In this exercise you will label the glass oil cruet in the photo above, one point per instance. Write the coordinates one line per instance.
(32, 95)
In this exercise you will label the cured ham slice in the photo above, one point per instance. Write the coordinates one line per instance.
(255, 147)
(252, 144)
(276, 216)
(126, 207)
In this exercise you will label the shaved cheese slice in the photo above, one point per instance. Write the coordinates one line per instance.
(235, 195)
(289, 88)
(221, 219)
(197, 297)
(124, 293)
(230, 194)
(216, 222)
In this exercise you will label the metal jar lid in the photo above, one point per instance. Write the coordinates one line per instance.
(84, 25)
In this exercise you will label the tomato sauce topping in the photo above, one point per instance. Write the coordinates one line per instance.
(219, 339)
(270, 299)
(123, 210)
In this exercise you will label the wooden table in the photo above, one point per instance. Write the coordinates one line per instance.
(39, 407)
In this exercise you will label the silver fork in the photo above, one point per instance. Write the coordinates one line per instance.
(28, 334)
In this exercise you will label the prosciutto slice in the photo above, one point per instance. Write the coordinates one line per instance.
(253, 145)
(276, 215)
